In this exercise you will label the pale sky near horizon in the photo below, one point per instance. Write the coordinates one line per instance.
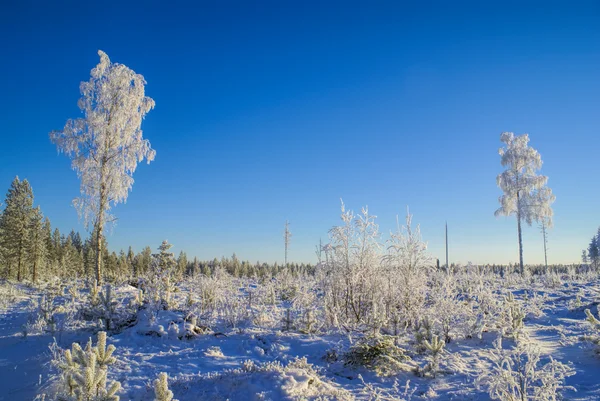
(275, 110)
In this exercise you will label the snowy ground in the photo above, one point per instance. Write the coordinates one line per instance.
(214, 365)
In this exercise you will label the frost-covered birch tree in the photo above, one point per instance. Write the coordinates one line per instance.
(106, 144)
(525, 193)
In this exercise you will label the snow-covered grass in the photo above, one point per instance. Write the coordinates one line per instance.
(233, 345)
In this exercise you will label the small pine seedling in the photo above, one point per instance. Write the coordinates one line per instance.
(161, 389)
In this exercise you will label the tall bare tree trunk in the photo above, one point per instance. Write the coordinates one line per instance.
(545, 250)
(447, 265)
(99, 228)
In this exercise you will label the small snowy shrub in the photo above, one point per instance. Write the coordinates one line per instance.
(214, 352)
(8, 295)
(518, 375)
(379, 354)
(161, 388)
(595, 324)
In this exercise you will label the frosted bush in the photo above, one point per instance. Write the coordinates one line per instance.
(214, 352)
(9, 293)
(519, 375)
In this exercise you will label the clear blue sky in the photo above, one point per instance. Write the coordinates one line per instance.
(267, 111)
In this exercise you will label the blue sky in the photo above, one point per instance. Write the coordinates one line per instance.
(267, 111)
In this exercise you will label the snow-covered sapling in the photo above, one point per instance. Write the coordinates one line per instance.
(161, 388)
(423, 332)
(380, 354)
(108, 308)
(84, 373)
(288, 320)
(309, 322)
(436, 349)
(94, 294)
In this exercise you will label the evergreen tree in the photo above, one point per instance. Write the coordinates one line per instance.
(130, 261)
(37, 242)
(181, 264)
(16, 225)
(164, 261)
(56, 247)
(145, 261)
(594, 252)
(76, 240)
(48, 245)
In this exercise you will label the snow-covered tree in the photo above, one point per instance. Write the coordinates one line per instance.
(350, 269)
(106, 144)
(594, 251)
(161, 388)
(525, 193)
(407, 263)
(584, 257)
(84, 372)
(164, 261)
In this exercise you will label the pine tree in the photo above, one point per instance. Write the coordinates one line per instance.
(37, 250)
(145, 261)
(130, 261)
(16, 225)
(164, 261)
(594, 251)
(56, 247)
(48, 246)
(181, 264)
(161, 389)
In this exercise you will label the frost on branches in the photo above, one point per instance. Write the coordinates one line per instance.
(518, 375)
(365, 286)
(525, 193)
(106, 144)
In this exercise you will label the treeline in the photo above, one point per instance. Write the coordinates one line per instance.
(30, 249)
